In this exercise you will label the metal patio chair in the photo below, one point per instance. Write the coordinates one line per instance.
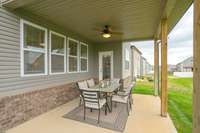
(92, 100)
(116, 81)
(81, 86)
(90, 82)
(124, 97)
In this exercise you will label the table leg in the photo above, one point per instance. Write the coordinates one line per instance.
(111, 102)
(110, 110)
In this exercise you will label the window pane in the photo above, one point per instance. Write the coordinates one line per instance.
(127, 55)
(83, 64)
(57, 44)
(106, 67)
(126, 64)
(33, 37)
(33, 62)
(73, 48)
(57, 63)
(83, 51)
(72, 64)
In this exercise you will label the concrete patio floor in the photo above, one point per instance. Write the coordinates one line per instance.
(144, 118)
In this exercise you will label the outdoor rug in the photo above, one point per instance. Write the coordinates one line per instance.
(115, 120)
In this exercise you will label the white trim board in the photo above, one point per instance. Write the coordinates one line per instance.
(101, 53)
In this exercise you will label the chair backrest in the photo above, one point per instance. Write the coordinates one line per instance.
(82, 85)
(90, 97)
(90, 82)
(130, 88)
(115, 80)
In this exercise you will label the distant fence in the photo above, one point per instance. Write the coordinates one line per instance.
(183, 74)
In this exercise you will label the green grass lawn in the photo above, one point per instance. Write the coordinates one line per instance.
(179, 100)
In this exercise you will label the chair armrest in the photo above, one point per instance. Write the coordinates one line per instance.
(122, 94)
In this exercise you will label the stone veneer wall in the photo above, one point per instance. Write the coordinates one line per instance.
(17, 109)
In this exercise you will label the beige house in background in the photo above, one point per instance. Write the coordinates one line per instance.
(149, 68)
(186, 65)
(140, 65)
(136, 67)
(143, 64)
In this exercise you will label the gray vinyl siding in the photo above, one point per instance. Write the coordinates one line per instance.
(10, 78)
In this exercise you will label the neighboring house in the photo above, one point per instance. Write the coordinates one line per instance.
(140, 66)
(172, 68)
(143, 64)
(126, 63)
(149, 68)
(39, 58)
(186, 65)
(136, 59)
(146, 67)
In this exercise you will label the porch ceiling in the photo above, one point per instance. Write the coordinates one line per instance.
(137, 19)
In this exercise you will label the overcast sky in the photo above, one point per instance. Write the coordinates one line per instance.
(180, 43)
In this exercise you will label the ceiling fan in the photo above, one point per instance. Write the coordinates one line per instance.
(107, 32)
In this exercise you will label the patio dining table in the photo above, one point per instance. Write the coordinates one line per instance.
(107, 90)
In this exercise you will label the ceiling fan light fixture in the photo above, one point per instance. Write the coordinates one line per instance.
(106, 35)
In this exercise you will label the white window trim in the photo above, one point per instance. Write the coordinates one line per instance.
(22, 49)
(81, 43)
(71, 39)
(100, 54)
(59, 54)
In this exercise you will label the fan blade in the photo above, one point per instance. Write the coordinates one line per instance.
(117, 33)
(97, 29)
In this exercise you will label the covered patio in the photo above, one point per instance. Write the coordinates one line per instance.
(144, 118)
(83, 20)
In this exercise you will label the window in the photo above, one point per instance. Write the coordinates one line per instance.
(57, 53)
(83, 57)
(72, 55)
(33, 49)
(127, 58)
